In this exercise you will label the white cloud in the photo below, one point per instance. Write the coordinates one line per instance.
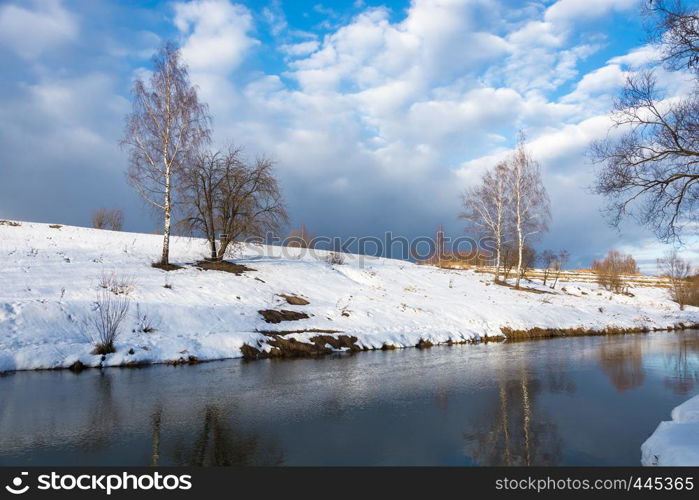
(607, 79)
(217, 34)
(575, 10)
(300, 49)
(638, 57)
(31, 30)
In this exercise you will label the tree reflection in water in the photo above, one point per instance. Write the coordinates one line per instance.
(515, 429)
(622, 362)
(684, 366)
(219, 443)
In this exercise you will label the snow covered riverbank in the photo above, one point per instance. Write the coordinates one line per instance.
(49, 279)
(675, 442)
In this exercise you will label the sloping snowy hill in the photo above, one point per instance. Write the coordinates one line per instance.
(49, 280)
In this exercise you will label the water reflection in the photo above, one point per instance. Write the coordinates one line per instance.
(576, 401)
(514, 429)
(218, 443)
(683, 365)
(622, 362)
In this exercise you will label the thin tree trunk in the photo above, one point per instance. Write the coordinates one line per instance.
(166, 232)
(498, 244)
(520, 245)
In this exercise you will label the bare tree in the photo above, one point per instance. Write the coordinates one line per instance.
(440, 252)
(529, 257)
(650, 170)
(529, 206)
(99, 218)
(548, 259)
(301, 238)
(164, 131)
(108, 219)
(678, 270)
(675, 29)
(486, 208)
(648, 166)
(613, 268)
(559, 265)
(225, 196)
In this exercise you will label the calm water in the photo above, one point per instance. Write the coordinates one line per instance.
(578, 401)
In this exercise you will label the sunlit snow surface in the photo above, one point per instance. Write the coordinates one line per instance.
(675, 442)
(49, 276)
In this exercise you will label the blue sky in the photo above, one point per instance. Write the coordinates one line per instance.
(378, 113)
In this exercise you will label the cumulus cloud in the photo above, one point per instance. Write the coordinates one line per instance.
(376, 122)
(42, 25)
(217, 34)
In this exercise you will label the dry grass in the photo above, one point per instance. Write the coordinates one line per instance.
(541, 333)
(294, 300)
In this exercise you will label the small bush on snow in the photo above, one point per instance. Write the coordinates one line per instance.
(110, 312)
(335, 258)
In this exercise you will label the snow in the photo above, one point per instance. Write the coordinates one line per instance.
(49, 276)
(675, 443)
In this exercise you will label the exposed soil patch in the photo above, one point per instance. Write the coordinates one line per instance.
(9, 223)
(523, 288)
(55, 226)
(166, 267)
(223, 265)
(272, 316)
(288, 332)
(294, 300)
(290, 348)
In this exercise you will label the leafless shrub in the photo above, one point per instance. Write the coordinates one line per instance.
(109, 313)
(559, 264)
(108, 219)
(679, 271)
(301, 238)
(116, 284)
(612, 269)
(335, 258)
(547, 258)
(147, 324)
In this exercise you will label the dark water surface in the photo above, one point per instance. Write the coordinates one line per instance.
(576, 401)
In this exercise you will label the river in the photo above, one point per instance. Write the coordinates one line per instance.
(565, 401)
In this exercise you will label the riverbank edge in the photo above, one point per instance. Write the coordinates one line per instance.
(282, 348)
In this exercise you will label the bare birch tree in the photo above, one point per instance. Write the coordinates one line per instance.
(225, 196)
(166, 128)
(486, 208)
(529, 205)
